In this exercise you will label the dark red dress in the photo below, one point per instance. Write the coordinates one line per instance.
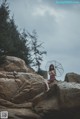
(52, 76)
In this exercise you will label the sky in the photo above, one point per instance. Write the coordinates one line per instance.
(57, 25)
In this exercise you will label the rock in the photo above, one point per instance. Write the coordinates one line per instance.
(21, 113)
(15, 64)
(19, 83)
(21, 89)
(61, 96)
(32, 86)
(72, 77)
(69, 95)
(9, 104)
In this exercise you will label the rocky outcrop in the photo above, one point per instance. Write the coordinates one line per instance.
(62, 95)
(15, 64)
(24, 95)
(21, 88)
(72, 77)
(62, 101)
(19, 84)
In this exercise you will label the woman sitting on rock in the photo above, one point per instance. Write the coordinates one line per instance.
(52, 73)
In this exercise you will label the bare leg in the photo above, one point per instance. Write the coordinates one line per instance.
(47, 85)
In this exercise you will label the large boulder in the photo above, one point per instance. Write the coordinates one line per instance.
(61, 101)
(72, 77)
(19, 84)
(21, 87)
(15, 64)
(62, 95)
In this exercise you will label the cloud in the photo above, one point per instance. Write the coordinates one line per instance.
(43, 10)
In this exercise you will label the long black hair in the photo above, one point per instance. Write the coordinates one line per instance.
(51, 67)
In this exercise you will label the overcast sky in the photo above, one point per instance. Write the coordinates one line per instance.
(58, 26)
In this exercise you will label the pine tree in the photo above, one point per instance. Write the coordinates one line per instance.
(4, 17)
(12, 42)
(25, 48)
(37, 52)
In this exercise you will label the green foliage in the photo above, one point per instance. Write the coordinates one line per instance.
(12, 42)
(4, 17)
(37, 52)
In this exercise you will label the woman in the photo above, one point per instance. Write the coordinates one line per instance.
(52, 73)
